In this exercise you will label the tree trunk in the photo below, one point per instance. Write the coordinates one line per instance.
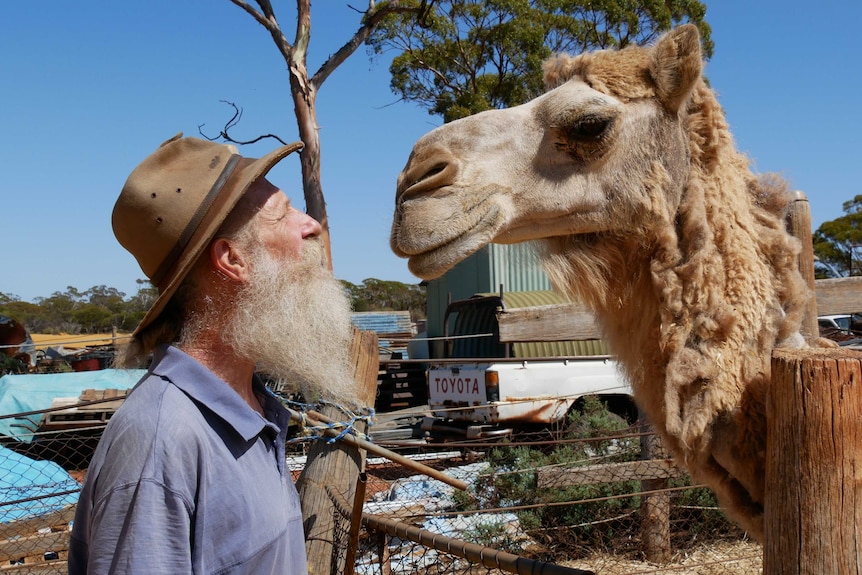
(337, 465)
(304, 94)
(813, 503)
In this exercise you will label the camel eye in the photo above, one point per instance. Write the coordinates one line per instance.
(588, 128)
(586, 138)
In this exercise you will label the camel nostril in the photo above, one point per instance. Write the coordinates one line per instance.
(432, 172)
(426, 177)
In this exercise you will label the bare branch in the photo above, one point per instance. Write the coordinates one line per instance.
(266, 6)
(303, 27)
(370, 22)
(237, 116)
(268, 21)
(262, 19)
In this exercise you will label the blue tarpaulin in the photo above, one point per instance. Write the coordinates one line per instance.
(32, 392)
(30, 488)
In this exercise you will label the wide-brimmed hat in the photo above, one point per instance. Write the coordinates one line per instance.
(174, 202)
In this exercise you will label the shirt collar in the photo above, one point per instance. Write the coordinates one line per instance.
(207, 389)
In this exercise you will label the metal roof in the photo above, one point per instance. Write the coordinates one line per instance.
(383, 321)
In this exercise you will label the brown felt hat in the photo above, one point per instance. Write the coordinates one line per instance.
(175, 201)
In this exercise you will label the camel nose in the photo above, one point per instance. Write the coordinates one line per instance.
(426, 172)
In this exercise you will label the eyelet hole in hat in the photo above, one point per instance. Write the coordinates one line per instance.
(159, 220)
(153, 195)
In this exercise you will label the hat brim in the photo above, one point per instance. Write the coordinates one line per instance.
(234, 188)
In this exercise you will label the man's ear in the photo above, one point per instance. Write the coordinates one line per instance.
(227, 260)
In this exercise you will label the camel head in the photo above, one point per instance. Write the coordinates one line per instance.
(577, 160)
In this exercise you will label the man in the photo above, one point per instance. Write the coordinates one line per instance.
(189, 476)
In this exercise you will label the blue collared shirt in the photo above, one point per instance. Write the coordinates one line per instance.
(188, 478)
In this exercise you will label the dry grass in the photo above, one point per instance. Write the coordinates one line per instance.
(708, 558)
(723, 558)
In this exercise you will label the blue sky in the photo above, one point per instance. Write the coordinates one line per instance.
(91, 88)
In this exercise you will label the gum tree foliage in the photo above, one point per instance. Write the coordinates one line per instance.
(467, 56)
(96, 310)
(100, 308)
(382, 295)
(837, 243)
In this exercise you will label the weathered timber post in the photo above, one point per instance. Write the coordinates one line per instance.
(813, 502)
(383, 553)
(799, 226)
(337, 465)
(655, 509)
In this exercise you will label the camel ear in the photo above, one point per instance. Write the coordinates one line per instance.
(676, 65)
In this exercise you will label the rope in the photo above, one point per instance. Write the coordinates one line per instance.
(309, 432)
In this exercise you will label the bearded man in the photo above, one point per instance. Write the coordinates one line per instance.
(189, 476)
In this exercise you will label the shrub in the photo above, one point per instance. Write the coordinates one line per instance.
(512, 481)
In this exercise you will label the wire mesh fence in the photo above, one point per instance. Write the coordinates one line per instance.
(40, 479)
(592, 503)
(553, 501)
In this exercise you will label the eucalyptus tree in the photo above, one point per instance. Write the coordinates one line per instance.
(465, 56)
(837, 243)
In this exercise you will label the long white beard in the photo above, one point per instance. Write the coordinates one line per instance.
(293, 321)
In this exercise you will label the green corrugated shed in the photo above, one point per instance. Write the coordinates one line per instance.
(515, 267)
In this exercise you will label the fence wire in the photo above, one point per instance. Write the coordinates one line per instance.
(599, 504)
(549, 502)
(40, 478)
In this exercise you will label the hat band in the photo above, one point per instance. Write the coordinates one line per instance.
(195, 221)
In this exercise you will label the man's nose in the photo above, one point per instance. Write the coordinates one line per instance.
(310, 227)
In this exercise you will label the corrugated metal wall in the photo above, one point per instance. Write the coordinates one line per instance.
(383, 321)
(516, 267)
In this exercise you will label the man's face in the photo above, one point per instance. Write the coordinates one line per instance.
(279, 226)
(292, 317)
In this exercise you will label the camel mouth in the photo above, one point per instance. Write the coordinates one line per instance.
(436, 262)
(431, 257)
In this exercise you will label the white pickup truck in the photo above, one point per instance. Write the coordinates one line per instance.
(485, 385)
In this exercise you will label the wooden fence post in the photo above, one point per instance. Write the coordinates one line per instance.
(337, 465)
(799, 225)
(655, 509)
(813, 503)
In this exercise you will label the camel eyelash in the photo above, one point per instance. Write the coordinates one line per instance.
(585, 129)
(586, 139)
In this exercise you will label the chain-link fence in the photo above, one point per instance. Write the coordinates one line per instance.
(553, 501)
(610, 504)
(40, 478)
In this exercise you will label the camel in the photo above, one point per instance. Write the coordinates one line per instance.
(625, 176)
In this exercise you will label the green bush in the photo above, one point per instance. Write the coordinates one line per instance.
(572, 521)
(512, 481)
(695, 516)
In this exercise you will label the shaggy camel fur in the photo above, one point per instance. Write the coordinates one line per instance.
(626, 176)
